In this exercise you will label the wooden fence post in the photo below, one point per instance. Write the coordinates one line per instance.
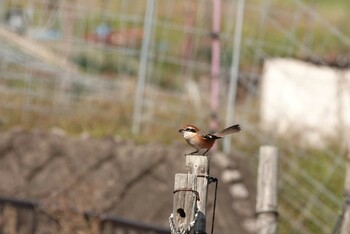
(190, 197)
(266, 205)
(345, 225)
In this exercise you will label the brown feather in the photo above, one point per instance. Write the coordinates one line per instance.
(229, 130)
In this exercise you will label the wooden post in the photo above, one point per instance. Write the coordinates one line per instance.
(266, 205)
(345, 225)
(190, 196)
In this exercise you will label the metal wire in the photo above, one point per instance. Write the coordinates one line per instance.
(216, 181)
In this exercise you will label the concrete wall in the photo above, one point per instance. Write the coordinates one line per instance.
(300, 97)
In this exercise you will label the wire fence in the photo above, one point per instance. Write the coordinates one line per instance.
(30, 216)
(98, 55)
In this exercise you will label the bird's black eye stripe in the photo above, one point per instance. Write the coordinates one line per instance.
(190, 130)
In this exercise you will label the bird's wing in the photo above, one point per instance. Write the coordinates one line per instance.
(229, 130)
(211, 136)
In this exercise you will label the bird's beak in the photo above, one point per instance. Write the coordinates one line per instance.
(181, 130)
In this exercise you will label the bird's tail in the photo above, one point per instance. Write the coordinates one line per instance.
(229, 130)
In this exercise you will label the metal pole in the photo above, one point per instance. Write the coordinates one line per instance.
(215, 63)
(234, 71)
(345, 224)
(2, 9)
(147, 32)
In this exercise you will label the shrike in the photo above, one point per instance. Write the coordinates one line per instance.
(199, 141)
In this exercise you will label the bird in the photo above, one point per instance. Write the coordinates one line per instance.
(199, 141)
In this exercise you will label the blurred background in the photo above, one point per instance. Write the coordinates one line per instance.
(80, 79)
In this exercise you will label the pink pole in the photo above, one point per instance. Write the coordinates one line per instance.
(215, 64)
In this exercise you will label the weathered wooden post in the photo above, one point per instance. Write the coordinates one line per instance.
(345, 225)
(266, 205)
(190, 197)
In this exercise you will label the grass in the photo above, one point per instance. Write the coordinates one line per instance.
(90, 114)
(310, 205)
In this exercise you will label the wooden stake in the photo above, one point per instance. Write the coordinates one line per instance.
(185, 198)
(266, 205)
(190, 196)
(199, 166)
(345, 226)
